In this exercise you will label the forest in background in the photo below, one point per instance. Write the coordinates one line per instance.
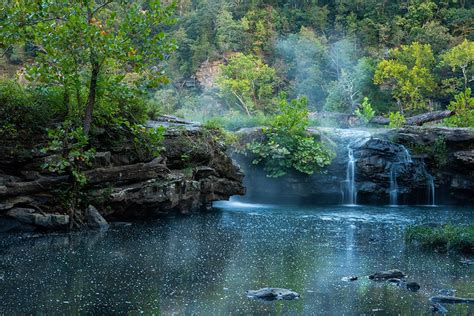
(389, 58)
(235, 57)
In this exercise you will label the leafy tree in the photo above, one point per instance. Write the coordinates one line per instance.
(288, 146)
(246, 81)
(408, 72)
(78, 42)
(229, 32)
(461, 57)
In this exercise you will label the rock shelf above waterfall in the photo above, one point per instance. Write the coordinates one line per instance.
(412, 165)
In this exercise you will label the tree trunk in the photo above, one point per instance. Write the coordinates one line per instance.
(92, 95)
(417, 119)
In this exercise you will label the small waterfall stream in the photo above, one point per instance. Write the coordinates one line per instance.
(403, 159)
(393, 185)
(349, 192)
(430, 186)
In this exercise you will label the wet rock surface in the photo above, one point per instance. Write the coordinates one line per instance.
(420, 159)
(393, 274)
(193, 171)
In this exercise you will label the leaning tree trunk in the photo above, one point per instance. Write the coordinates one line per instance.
(417, 119)
(92, 95)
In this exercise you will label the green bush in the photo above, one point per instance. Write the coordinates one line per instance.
(396, 120)
(288, 145)
(463, 106)
(27, 110)
(442, 238)
(365, 112)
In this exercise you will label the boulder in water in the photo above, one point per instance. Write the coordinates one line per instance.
(413, 286)
(271, 294)
(95, 220)
(385, 275)
(441, 299)
(350, 278)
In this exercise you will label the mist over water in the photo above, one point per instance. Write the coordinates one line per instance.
(203, 264)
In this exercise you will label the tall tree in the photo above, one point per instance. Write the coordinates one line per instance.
(248, 82)
(461, 57)
(408, 72)
(92, 36)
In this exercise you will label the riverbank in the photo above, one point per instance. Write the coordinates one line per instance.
(192, 171)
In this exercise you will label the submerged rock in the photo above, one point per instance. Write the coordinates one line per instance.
(271, 294)
(385, 275)
(350, 278)
(441, 299)
(438, 308)
(413, 286)
(95, 220)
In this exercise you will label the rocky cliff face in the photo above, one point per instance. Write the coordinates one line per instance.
(193, 171)
(390, 166)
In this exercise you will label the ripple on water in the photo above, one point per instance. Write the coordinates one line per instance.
(203, 264)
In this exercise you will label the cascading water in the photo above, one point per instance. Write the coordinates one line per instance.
(431, 190)
(393, 185)
(430, 186)
(349, 193)
(403, 159)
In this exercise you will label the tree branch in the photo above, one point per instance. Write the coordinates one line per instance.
(102, 6)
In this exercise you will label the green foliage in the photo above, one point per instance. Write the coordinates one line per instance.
(463, 107)
(288, 146)
(437, 150)
(70, 155)
(461, 57)
(81, 44)
(408, 73)
(442, 238)
(396, 120)
(25, 111)
(365, 112)
(148, 140)
(247, 83)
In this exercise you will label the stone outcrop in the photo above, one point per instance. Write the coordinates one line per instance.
(417, 158)
(192, 172)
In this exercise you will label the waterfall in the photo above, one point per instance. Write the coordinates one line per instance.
(404, 158)
(393, 185)
(431, 190)
(349, 193)
(430, 187)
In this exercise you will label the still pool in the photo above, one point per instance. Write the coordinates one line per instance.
(202, 264)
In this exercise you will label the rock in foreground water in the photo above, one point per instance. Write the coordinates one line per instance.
(385, 275)
(270, 294)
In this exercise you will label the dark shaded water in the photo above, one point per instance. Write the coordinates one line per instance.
(203, 264)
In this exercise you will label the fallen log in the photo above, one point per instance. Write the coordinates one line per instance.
(127, 173)
(417, 119)
(441, 299)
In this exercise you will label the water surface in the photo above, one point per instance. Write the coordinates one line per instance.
(202, 264)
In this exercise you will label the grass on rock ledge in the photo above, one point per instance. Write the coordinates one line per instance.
(442, 238)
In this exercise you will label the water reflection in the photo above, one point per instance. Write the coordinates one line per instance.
(203, 264)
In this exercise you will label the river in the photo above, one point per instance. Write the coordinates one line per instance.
(202, 264)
